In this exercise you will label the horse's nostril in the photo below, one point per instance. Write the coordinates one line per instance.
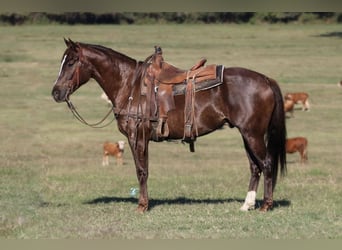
(55, 94)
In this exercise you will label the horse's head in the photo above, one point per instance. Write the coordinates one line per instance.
(74, 72)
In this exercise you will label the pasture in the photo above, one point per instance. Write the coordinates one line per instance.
(52, 182)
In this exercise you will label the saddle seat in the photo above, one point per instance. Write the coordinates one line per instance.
(169, 74)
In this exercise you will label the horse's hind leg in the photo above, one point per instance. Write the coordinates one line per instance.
(259, 162)
(253, 183)
(268, 185)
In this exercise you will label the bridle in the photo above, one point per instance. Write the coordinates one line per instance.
(76, 113)
(116, 111)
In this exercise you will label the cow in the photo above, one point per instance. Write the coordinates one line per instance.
(298, 144)
(289, 106)
(300, 97)
(339, 84)
(113, 149)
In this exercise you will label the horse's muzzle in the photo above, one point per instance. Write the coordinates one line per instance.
(59, 95)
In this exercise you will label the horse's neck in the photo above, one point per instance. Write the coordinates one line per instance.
(115, 78)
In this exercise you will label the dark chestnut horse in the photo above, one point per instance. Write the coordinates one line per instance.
(247, 100)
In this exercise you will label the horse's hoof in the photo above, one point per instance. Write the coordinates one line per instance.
(246, 208)
(265, 208)
(141, 209)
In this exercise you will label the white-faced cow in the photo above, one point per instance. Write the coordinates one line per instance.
(113, 149)
(299, 98)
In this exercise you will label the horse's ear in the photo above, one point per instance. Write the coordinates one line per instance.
(67, 42)
(70, 44)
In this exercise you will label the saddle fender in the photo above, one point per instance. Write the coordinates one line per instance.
(165, 99)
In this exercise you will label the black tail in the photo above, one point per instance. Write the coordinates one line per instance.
(276, 136)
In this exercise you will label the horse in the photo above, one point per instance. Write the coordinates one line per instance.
(246, 100)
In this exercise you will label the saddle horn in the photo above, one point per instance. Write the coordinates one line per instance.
(158, 50)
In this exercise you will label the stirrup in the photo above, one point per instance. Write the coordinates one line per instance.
(189, 137)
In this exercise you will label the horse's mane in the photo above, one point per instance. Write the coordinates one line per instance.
(107, 51)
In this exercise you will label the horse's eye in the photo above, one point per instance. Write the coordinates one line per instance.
(72, 61)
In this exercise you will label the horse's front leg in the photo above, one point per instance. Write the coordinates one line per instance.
(139, 148)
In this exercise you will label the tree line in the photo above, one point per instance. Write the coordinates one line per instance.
(168, 17)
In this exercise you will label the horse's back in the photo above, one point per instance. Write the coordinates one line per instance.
(247, 82)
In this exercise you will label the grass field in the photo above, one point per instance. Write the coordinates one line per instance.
(52, 184)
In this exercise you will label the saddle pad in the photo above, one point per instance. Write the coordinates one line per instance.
(179, 89)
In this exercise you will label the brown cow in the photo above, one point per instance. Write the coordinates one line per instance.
(300, 97)
(289, 106)
(113, 149)
(299, 144)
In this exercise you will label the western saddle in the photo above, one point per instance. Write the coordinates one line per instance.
(160, 82)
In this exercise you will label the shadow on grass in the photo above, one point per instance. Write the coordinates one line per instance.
(181, 201)
(332, 34)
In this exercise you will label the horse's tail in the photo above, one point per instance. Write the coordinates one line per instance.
(276, 135)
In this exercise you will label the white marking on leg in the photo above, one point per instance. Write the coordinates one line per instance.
(60, 70)
(249, 201)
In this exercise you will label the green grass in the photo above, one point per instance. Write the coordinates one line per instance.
(52, 184)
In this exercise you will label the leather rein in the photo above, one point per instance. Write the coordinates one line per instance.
(82, 120)
(116, 111)
(77, 114)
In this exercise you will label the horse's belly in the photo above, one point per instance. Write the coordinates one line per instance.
(206, 121)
